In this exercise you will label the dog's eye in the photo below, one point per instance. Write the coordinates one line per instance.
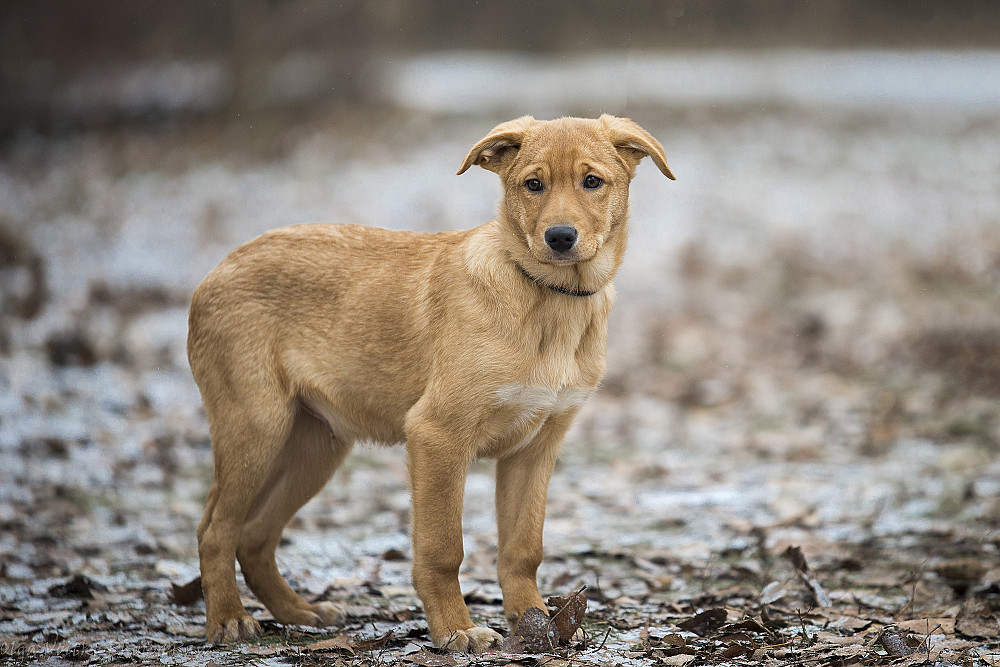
(592, 182)
(533, 184)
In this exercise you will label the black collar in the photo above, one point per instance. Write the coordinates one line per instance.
(562, 289)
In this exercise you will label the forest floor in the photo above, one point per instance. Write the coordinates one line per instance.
(793, 458)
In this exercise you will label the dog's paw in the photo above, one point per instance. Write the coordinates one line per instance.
(317, 615)
(328, 613)
(233, 630)
(474, 640)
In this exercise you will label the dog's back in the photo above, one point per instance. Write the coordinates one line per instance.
(291, 309)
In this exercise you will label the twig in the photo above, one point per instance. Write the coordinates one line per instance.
(927, 639)
(606, 635)
(807, 640)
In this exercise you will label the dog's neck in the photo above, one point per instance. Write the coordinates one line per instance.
(562, 289)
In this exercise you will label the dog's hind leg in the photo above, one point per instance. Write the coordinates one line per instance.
(245, 447)
(308, 459)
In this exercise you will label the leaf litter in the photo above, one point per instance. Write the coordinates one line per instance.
(793, 459)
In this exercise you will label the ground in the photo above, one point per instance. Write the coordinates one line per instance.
(792, 460)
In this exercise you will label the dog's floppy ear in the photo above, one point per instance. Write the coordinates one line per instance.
(634, 143)
(488, 151)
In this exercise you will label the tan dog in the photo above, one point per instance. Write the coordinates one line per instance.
(463, 344)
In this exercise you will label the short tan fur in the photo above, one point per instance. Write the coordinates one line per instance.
(462, 345)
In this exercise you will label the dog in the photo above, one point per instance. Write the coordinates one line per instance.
(462, 344)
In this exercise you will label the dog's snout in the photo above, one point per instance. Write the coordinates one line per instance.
(560, 238)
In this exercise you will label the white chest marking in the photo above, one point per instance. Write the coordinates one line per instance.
(533, 406)
(534, 401)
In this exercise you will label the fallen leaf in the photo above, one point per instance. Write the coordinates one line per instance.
(898, 644)
(839, 621)
(672, 639)
(961, 573)
(187, 594)
(375, 642)
(798, 560)
(393, 555)
(929, 626)
(567, 613)
(748, 625)
(705, 623)
(338, 643)
(78, 587)
(976, 619)
(513, 645)
(849, 651)
(773, 592)
(770, 620)
(427, 659)
(735, 651)
(835, 639)
(537, 632)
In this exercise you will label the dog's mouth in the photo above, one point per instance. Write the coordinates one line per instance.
(581, 248)
(581, 252)
(562, 260)
(576, 255)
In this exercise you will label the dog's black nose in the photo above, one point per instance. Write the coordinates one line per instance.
(560, 238)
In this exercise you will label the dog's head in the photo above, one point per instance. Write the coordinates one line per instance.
(566, 182)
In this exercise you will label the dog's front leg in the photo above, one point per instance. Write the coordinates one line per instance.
(522, 484)
(438, 463)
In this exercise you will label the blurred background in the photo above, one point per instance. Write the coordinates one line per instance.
(69, 64)
(807, 334)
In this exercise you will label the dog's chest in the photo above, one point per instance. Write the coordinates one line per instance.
(527, 401)
(522, 411)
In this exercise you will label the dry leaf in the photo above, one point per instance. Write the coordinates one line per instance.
(773, 592)
(338, 643)
(375, 643)
(705, 623)
(567, 613)
(538, 634)
(897, 643)
(187, 594)
(961, 573)
(427, 659)
(78, 587)
(976, 619)
(512, 645)
(929, 626)
(735, 651)
(798, 560)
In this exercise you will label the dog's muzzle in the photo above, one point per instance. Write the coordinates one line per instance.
(560, 238)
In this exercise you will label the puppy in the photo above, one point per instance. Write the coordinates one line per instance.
(462, 344)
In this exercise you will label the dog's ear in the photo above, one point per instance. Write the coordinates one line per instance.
(634, 143)
(489, 151)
